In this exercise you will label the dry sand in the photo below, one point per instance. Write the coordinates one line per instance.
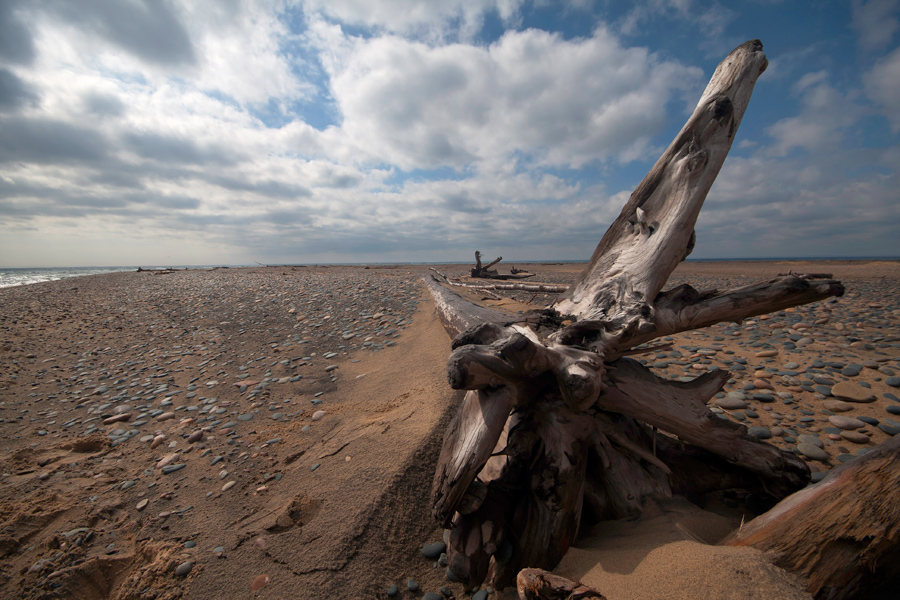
(86, 513)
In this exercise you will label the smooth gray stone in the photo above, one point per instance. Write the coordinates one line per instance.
(392, 590)
(730, 403)
(759, 432)
(818, 476)
(889, 429)
(184, 568)
(172, 468)
(807, 438)
(412, 585)
(812, 451)
(432, 596)
(480, 595)
(434, 550)
(245, 417)
(893, 381)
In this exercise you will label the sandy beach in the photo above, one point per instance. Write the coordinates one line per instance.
(272, 432)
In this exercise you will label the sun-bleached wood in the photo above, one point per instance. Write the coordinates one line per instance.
(557, 423)
(545, 288)
(655, 230)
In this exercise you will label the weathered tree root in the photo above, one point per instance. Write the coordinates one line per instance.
(557, 425)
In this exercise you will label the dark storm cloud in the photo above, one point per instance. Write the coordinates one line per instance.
(462, 203)
(16, 45)
(148, 29)
(341, 181)
(49, 142)
(14, 93)
(169, 149)
(103, 105)
(31, 200)
(275, 189)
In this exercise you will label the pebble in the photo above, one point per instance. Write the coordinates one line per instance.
(184, 568)
(142, 504)
(434, 550)
(167, 460)
(813, 452)
(392, 590)
(729, 403)
(805, 438)
(759, 432)
(855, 437)
(412, 585)
(432, 596)
(893, 381)
(845, 422)
(766, 353)
(852, 392)
(172, 468)
(837, 406)
(889, 429)
(480, 595)
(318, 415)
(195, 437)
(259, 583)
(228, 486)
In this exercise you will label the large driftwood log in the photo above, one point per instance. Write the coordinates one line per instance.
(557, 425)
(544, 288)
(843, 533)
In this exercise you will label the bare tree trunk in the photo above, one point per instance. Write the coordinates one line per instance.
(557, 424)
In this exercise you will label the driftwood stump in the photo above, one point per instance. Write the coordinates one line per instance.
(557, 423)
(480, 271)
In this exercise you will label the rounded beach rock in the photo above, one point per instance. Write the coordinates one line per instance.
(812, 451)
(837, 406)
(730, 403)
(845, 422)
(852, 392)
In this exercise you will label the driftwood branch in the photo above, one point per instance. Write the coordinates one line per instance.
(683, 308)
(655, 229)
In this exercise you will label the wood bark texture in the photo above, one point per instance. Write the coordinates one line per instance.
(537, 584)
(557, 424)
(843, 534)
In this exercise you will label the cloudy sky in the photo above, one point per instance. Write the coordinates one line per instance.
(141, 132)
